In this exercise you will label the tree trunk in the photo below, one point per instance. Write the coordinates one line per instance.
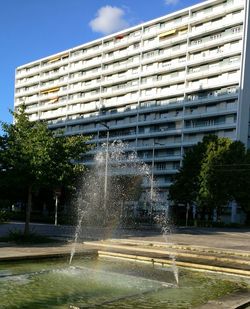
(28, 211)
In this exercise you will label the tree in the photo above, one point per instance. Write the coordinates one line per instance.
(214, 172)
(186, 185)
(32, 157)
(238, 178)
(213, 189)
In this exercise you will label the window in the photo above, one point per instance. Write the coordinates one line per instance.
(235, 44)
(182, 59)
(150, 54)
(197, 42)
(174, 74)
(234, 59)
(236, 30)
(149, 66)
(178, 20)
(149, 91)
(166, 63)
(215, 36)
(180, 86)
(134, 82)
(213, 65)
(149, 29)
(194, 70)
(198, 26)
(217, 20)
(176, 47)
(121, 74)
(136, 33)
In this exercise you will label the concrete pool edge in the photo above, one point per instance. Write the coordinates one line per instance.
(240, 301)
(18, 254)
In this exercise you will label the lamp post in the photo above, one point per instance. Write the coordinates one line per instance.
(57, 193)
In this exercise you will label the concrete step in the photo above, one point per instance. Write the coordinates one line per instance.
(199, 258)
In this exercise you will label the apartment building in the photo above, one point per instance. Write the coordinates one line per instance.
(159, 86)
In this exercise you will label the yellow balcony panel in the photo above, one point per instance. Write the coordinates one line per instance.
(54, 60)
(183, 30)
(57, 58)
(55, 89)
(167, 33)
(64, 56)
(53, 100)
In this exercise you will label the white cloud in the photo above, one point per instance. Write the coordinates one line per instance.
(171, 2)
(109, 19)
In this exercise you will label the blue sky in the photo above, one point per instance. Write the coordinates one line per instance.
(32, 29)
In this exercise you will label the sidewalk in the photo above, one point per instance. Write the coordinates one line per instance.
(233, 239)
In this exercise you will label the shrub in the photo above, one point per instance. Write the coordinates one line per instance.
(20, 238)
(4, 215)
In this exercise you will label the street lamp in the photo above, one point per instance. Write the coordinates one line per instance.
(57, 193)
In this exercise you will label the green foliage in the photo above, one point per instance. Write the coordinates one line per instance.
(32, 153)
(214, 172)
(4, 215)
(186, 184)
(213, 190)
(31, 157)
(19, 237)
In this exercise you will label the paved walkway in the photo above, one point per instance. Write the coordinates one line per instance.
(233, 239)
(237, 240)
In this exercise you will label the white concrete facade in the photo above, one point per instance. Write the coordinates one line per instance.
(159, 86)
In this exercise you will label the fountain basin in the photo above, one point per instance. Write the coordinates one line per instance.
(89, 283)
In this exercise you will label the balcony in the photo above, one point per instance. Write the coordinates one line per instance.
(219, 83)
(125, 65)
(215, 112)
(217, 12)
(209, 127)
(53, 75)
(28, 71)
(57, 61)
(216, 42)
(226, 22)
(157, 184)
(85, 76)
(87, 65)
(85, 53)
(27, 81)
(218, 69)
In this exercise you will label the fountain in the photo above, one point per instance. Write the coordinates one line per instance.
(77, 232)
(100, 284)
(114, 180)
